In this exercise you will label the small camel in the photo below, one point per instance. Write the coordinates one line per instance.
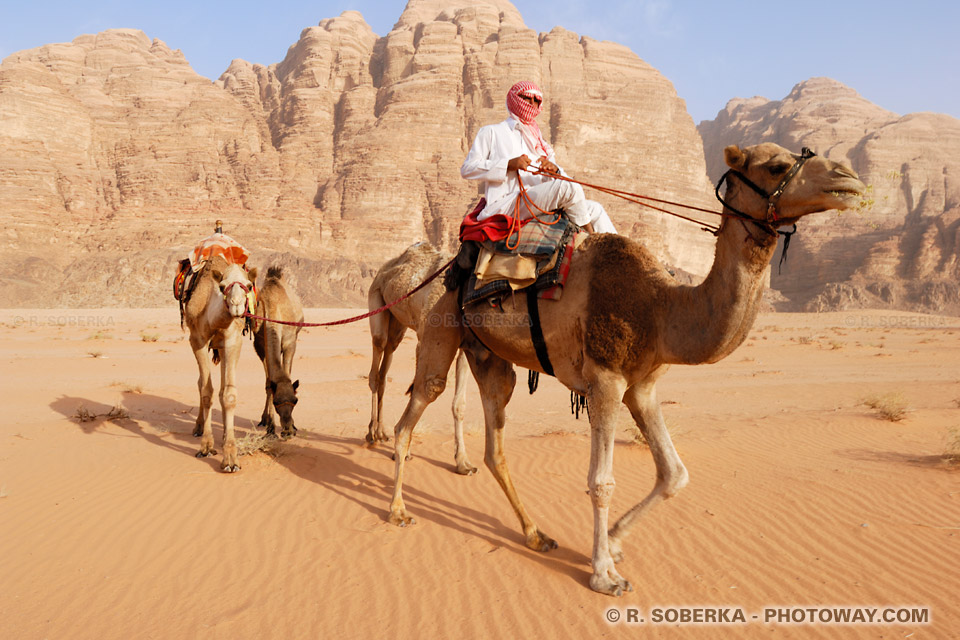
(276, 345)
(622, 321)
(214, 316)
(393, 280)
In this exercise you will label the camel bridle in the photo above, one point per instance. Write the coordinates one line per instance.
(772, 219)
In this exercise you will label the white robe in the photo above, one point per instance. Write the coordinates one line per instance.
(493, 148)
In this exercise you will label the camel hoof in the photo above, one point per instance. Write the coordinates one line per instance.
(229, 468)
(541, 542)
(204, 454)
(401, 518)
(466, 469)
(407, 459)
(286, 435)
(611, 586)
(198, 431)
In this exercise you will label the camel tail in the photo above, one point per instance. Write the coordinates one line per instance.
(275, 272)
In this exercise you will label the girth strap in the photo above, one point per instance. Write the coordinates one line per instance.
(536, 332)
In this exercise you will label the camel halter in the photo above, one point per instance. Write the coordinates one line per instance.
(773, 199)
(246, 291)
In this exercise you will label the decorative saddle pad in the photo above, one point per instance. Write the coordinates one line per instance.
(218, 244)
(551, 272)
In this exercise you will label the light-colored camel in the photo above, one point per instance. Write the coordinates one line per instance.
(214, 317)
(276, 344)
(393, 280)
(622, 321)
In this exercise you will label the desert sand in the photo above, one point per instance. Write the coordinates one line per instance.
(800, 494)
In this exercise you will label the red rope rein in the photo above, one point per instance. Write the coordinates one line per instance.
(636, 198)
(360, 317)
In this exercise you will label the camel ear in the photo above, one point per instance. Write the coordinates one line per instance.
(734, 157)
(217, 274)
(252, 274)
(296, 383)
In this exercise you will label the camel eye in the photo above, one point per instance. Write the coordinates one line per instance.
(778, 169)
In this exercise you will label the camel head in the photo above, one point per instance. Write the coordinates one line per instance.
(284, 400)
(769, 183)
(235, 285)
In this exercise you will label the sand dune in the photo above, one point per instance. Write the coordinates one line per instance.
(800, 495)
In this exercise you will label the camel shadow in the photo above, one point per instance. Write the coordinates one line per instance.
(373, 490)
(171, 422)
(326, 460)
(934, 461)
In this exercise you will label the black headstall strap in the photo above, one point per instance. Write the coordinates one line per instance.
(770, 223)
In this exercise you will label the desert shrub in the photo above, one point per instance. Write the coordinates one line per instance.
(889, 406)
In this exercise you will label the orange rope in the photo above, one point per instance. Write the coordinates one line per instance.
(515, 221)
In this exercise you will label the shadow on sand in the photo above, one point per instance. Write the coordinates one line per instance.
(333, 462)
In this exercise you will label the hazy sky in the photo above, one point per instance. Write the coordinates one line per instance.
(904, 55)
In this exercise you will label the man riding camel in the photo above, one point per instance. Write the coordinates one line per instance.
(501, 151)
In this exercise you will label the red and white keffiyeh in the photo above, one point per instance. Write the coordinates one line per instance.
(526, 114)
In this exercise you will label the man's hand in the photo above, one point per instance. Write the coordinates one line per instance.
(547, 166)
(519, 163)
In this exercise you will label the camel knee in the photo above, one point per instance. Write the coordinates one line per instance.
(601, 493)
(228, 397)
(433, 387)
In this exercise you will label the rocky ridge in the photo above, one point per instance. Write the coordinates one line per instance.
(117, 157)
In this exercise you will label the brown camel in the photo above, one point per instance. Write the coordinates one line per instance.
(622, 321)
(276, 345)
(393, 280)
(214, 316)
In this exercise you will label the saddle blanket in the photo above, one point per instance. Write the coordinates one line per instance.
(218, 244)
(549, 277)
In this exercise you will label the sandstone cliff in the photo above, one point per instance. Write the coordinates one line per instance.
(903, 249)
(116, 157)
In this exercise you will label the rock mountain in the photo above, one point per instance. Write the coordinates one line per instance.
(116, 157)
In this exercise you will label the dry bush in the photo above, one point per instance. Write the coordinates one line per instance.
(83, 414)
(94, 354)
(149, 337)
(118, 412)
(254, 442)
(836, 344)
(889, 406)
(100, 335)
(805, 340)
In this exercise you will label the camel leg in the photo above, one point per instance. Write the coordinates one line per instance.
(435, 352)
(268, 418)
(496, 379)
(464, 467)
(228, 397)
(203, 427)
(672, 476)
(604, 396)
(288, 350)
(386, 333)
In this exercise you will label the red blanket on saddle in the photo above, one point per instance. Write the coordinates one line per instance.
(493, 228)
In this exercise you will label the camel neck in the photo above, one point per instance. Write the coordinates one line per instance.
(707, 322)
